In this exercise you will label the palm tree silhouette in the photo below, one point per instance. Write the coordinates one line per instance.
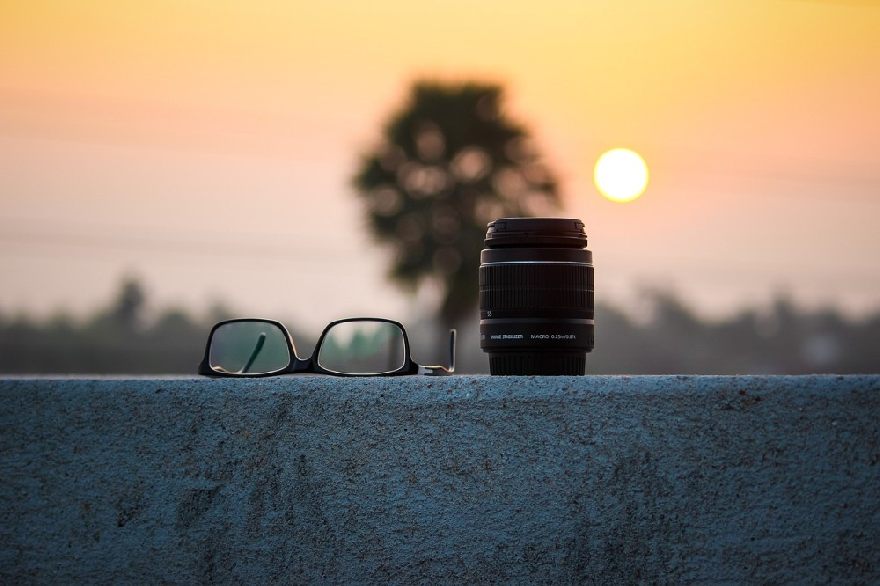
(448, 163)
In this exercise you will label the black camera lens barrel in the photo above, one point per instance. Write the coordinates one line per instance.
(536, 296)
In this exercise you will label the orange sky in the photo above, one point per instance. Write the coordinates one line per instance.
(180, 140)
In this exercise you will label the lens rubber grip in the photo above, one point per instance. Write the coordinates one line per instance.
(536, 289)
(538, 363)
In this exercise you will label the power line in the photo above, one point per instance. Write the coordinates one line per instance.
(109, 243)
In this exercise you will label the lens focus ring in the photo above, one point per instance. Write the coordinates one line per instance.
(523, 288)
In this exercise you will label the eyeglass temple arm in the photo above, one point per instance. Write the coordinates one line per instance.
(443, 370)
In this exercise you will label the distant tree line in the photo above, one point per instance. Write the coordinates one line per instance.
(778, 339)
(116, 339)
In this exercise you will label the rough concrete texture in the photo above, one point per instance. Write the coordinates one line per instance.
(436, 480)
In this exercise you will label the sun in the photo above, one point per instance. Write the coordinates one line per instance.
(621, 175)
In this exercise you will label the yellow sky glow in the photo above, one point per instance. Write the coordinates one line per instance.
(734, 105)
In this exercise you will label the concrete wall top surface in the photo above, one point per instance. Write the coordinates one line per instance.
(597, 479)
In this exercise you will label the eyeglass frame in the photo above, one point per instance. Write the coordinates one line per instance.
(310, 365)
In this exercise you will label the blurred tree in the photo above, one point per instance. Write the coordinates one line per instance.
(129, 306)
(449, 162)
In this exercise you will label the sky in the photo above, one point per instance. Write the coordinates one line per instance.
(207, 147)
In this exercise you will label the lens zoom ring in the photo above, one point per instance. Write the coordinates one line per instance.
(518, 286)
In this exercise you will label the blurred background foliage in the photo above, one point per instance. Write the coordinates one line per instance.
(115, 339)
(781, 338)
(450, 161)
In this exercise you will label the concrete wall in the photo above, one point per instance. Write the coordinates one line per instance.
(416, 479)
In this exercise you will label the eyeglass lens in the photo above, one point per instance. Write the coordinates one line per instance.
(362, 347)
(248, 347)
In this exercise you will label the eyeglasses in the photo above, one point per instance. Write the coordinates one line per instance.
(359, 346)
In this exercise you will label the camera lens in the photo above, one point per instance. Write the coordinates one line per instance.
(536, 296)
